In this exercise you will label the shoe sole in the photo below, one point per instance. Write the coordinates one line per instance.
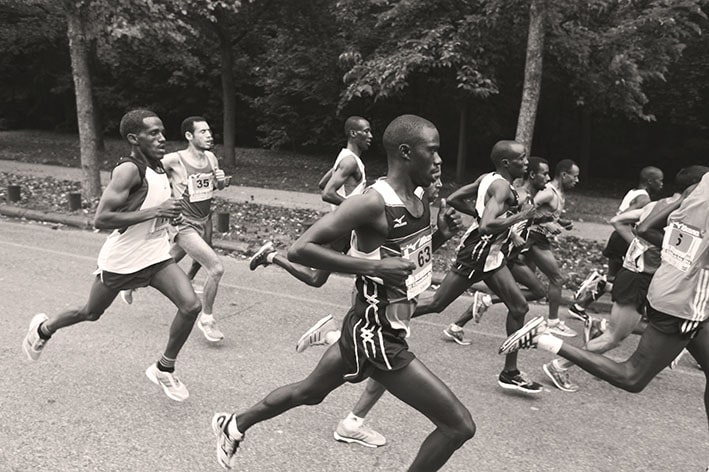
(517, 388)
(458, 341)
(563, 334)
(345, 439)
(151, 376)
(33, 327)
(576, 316)
(312, 329)
(525, 330)
(551, 377)
(217, 430)
(206, 336)
(263, 249)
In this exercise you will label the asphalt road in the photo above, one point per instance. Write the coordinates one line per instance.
(86, 405)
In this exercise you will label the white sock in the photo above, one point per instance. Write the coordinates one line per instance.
(233, 431)
(549, 343)
(270, 256)
(205, 318)
(455, 328)
(552, 323)
(557, 364)
(352, 417)
(331, 337)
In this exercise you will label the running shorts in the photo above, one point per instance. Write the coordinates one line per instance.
(630, 289)
(139, 279)
(539, 240)
(672, 325)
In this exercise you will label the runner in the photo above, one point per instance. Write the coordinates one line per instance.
(482, 252)
(677, 307)
(597, 283)
(632, 280)
(137, 206)
(535, 180)
(194, 175)
(345, 179)
(391, 255)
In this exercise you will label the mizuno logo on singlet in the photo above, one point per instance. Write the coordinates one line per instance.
(399, 222)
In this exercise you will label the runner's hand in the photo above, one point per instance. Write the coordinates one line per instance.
(566, 224)
(449, 221)
(170, 208)
(393, 270)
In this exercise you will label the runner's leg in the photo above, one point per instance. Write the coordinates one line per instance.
(198, 249)
(546, 262)
(100, 298)
(699, 348)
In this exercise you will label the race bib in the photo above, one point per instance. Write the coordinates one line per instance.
(680, 245)
(633, 260)
(421, 254)
(200, 187)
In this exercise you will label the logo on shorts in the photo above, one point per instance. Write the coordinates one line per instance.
(399, 222)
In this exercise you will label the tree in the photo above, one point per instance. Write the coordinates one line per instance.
(532, 86)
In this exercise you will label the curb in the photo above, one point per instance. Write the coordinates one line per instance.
(83, 222)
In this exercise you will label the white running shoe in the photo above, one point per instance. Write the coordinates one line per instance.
(226, 445)
(260, 257)
(127, 296)
(33, 344)
(676, 360)
(356, 432)
(209, 330)
(525, 337)
(481, 302)
(560, 329)
(317, 334)
(171, 385)
(594, 284)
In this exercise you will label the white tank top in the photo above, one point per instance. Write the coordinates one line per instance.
(359, 188)
(482, 191)
(143, 244)
(629, 197)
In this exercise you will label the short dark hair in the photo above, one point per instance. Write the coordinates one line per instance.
(534, 163)
(188, 124)
(688, 176)
(564, 165)
(404, 129)
(353, 123)
(132, 122)
(649, 172)
(503, 150)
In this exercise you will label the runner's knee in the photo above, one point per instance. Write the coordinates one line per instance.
(216, 270)
(463, 429)
(87, 314)
(192, 307)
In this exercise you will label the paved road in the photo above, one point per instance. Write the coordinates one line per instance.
(87, 406)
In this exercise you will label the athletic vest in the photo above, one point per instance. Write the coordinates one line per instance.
(680, 287)
(195, 188)
(359, 188)
(409, 237)
(629, 197)
(138, 246)
(492, 247)
(642, 256)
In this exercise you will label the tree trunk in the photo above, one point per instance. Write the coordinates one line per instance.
(532, 75)
(462, 144)
(229, 98)
(79, 49)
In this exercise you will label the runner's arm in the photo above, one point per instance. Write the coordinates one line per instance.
(448, 224)
(490, 221)
(345, 169)
(108, 212)
(324, 179)
(460, 198)
(624, 222)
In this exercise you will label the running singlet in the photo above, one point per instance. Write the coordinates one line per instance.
(359, 188)
(138, 246)
(409, 237)
(642, 256)
(486, 251)
(629, 197)
(680, 286)
(546, 214)
(195, 187)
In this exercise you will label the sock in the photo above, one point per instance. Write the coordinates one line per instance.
(331, 337)
(552, 322)
(455, 328)
(352, 417)
(557, 364)
(43, 332)
(270, 256)
(549, 343)
(165, 364)
(512, 373)
(205, 318)
(233, 431)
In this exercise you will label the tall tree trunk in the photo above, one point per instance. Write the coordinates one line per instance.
(79, 49)
(462, 143)
(229, 98)
(532, 75)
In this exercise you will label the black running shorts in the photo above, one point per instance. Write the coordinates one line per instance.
(630, 289)
(139, 279)
(673, 325)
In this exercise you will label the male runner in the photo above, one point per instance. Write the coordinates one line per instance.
(346, 178)
(631, 283)
(550, 204)
(677, 308)
(194, 175)
(535, 180)
(482, 252)
(391, 255)
(137, 206)
(596, 284)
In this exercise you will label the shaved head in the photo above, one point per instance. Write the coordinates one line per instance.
(405, 129)
(355, 123)
(650, 172)
(509, 150)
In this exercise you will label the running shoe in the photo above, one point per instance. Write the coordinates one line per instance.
(518, 381)
(171, 385)
(578, 312)
(260, 257)
(525, 337)
(226, 445)
(676, 360)
(357, 432)
(456, 336)
(481, 302)
(560, 329)
(317, 334)
(209, 330)
(593, 328)
(560, 377)
(127, 296)
(594, 284)
(33, 344)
